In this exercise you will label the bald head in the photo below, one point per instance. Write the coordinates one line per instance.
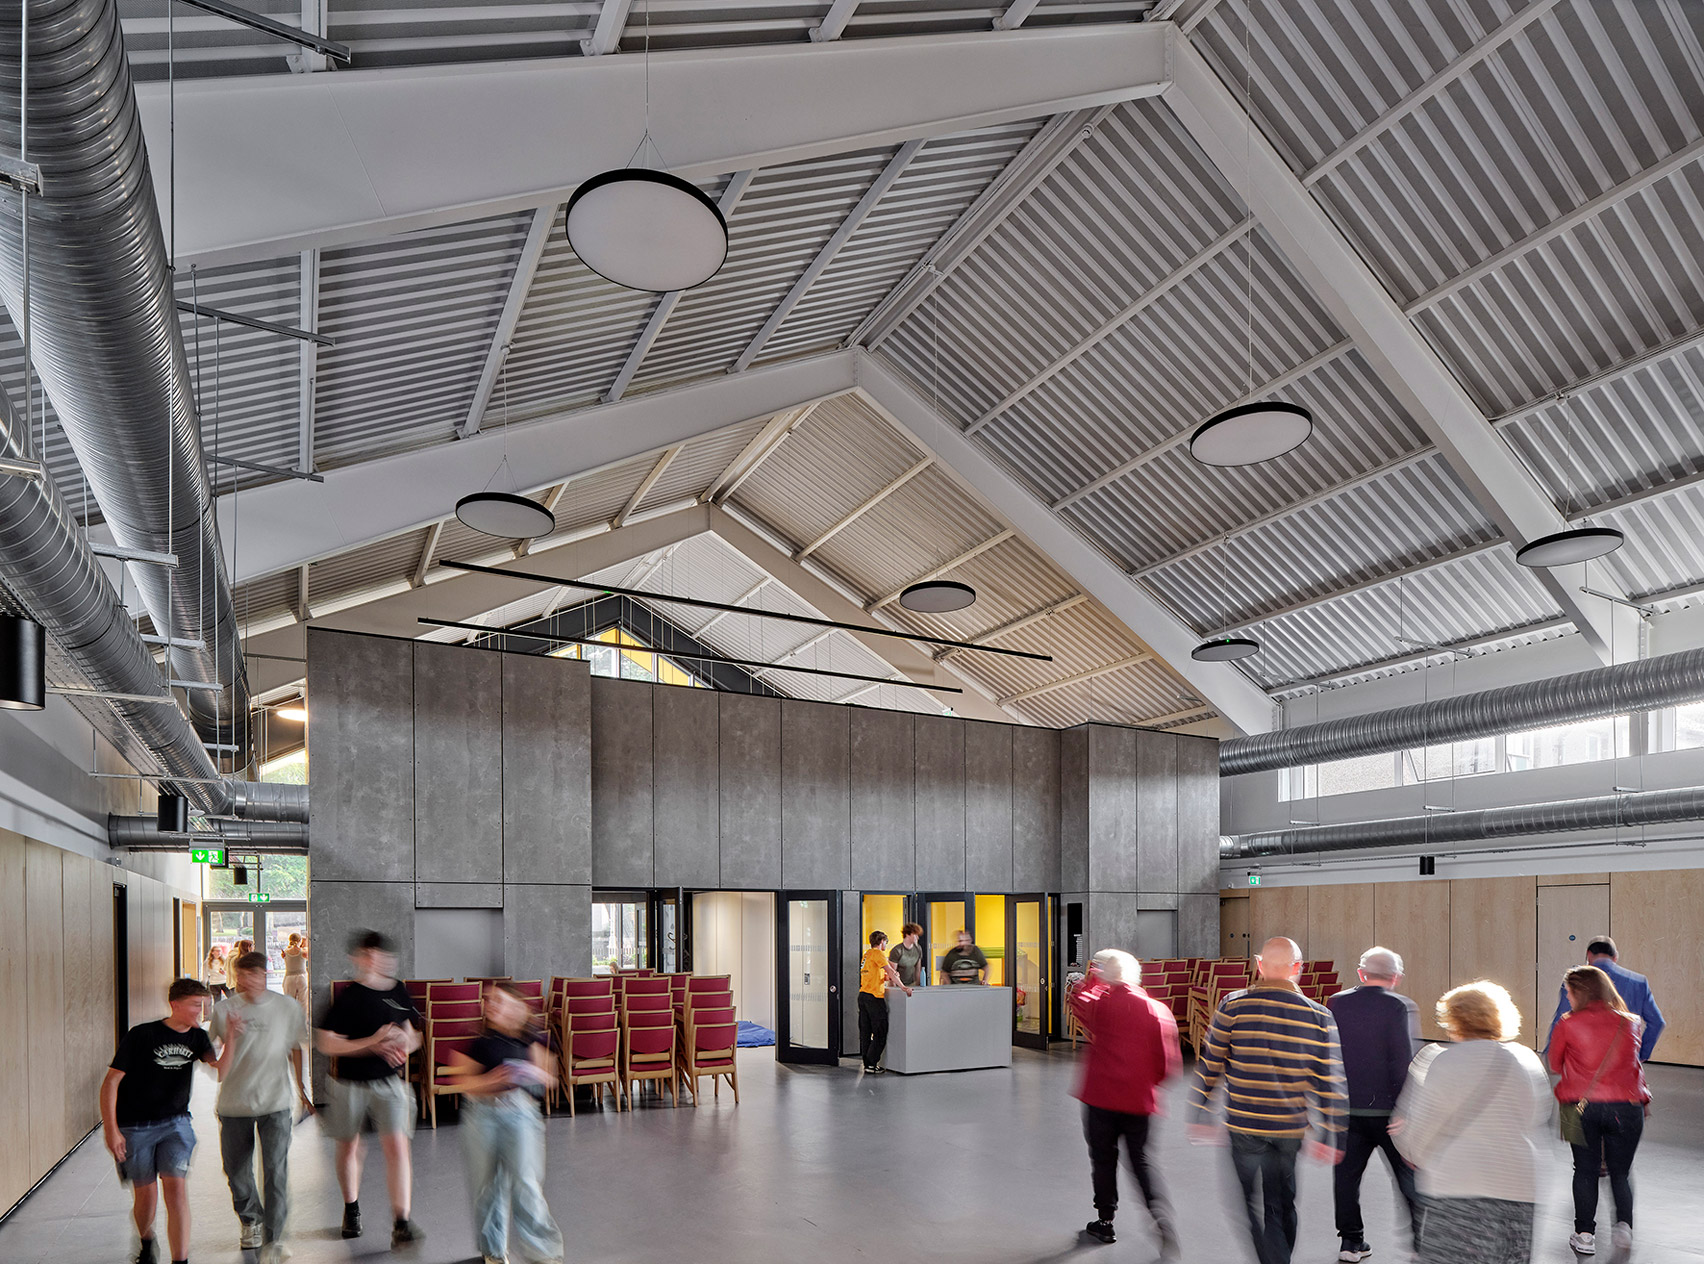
(1279, 958)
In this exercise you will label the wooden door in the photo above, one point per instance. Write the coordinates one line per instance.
(1233, 927)
(1568, 918)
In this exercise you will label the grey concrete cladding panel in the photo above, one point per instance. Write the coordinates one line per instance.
(1074, 809)
(688, 805)
(337, 909)
(1198, 819)
(458, 764)
(361, 741)
(987, 806)
(815, 796)
(750, 778)
(1198, 925)
(884, 815)
(547, 930)
(940, 803)
(1112, 809)
(547, 769)
(1156, 812)
(458, 895)
(622, 783)
(1035, 809)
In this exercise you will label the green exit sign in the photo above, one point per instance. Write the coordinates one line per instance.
(260, 897)
(208, 855)
(1254, 879)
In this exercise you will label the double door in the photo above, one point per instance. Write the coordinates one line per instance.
(223, 922)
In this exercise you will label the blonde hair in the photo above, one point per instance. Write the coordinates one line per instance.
(295, 938)
(1118, 966)
(1479, 1011)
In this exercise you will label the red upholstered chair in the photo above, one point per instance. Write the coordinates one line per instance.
(657, 1004)
(709, 983)
(593, 1054)
(436, 992)
(588, 987)
(654, 985)
(710, 1051)
(337, 986)
(677, 987)
(417, 991)
(448, 1036)
(648, 1053)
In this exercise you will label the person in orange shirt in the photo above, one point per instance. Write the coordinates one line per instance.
(875, 973)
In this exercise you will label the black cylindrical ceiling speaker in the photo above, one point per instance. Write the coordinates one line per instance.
(173, 814)
(23, 664)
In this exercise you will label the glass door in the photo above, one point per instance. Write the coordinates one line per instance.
(807, 931)
(621, 935)
(278, 923)
(1027, 952)
(942, 916)
(223, 925)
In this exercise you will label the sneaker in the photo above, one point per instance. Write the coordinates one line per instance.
(252, 1236)
(1622, 1236)
(146, 1252)
(492, 1259)
(405, 1233)
(351, 1220)
(1583, 1243)
(1100, 1231)
(1354, 1250)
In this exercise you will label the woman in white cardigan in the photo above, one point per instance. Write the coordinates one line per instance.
(1469, 1120)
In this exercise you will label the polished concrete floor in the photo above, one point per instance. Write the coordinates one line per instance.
(824, 1164)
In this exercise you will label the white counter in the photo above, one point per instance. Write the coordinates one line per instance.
(949, 1027)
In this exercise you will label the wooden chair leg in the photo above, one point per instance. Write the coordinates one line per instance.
(570, 1093)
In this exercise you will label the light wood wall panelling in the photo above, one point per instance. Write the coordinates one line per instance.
(103, 985)
(1654, 918)
(1341, 926)
(1573, 880)
(82, 1046)
(45, 978)
(1278, 911)
(1494, 935)
(1414, 918)
(15, 1170)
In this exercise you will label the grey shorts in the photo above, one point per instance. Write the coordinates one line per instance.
(386, 1103)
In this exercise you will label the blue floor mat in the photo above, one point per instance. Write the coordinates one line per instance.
(754, 1037)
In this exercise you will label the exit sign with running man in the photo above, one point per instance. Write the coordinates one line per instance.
(207, 855)
(260, 897)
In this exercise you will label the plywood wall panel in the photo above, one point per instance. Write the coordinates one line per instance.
(1278, 911)
(1654, 918)
(44, 973)
(82, 1050)
(15, 1171)
(1494, 935)
(1417, 914)
(1340, 926)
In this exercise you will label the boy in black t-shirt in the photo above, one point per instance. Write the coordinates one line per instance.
(145, 1113)
(370, 1029)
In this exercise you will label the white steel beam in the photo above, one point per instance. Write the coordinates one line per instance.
(832, 25)
(645, 485)
(1018, 624)
(763, 445)
(1105, 669)
(285, 524)
(735, 189)
(554, 498)
(952, 564)
(271, 164)
(309, 363)
(1012, 17)
(744, 597)
(854, 218)
(1403, 359)
(526, 268)
(1232, 694)
(424, 565)
(606, 34)
(863, 507)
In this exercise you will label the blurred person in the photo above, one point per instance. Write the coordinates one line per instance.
(145, 1114)
(257, 1093)
(875, 973)
(213, 973)
(964, 962)
(1133, 1049)
(1468, 1121)
(1595, 1049)
(1378, 1030)
(1634, 990)
(505, 1074)
(296, 971)
(371, 1028)
(908, 957)
(1277, 1053)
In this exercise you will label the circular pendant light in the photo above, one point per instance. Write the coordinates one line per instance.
(23, 664)
(937, 596)
(505, 515)
(647, 230)
(1581, 544)
(1251, 433)
(1225, 649)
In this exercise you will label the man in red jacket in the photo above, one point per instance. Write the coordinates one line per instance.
(1132, 1051)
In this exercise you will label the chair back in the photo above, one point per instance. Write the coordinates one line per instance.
(653, 986)
(436, 992)
(416, 989)
(588, 987)
(651, 1040)
(715, 1038)
(453, 1010)
(337, 986)
(632, 1004)
(456, 1028)
(532, 989)
(709, 983)
(650, 1018)
(709, 1000)
(592, 1045)
(710, 1017)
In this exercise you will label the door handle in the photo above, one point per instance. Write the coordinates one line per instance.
(832, 989)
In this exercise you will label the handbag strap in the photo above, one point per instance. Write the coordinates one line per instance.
(1602, 1066)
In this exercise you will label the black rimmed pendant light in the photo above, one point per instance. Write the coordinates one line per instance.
(1564, 548)
(642, 227)
(23, 664)
(1225, 648)
(937, 596)
(507, 515)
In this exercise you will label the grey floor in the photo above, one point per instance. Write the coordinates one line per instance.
(824, 1164)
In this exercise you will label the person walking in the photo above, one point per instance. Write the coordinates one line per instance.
(1468, 1120)
(964, 962)
(1595, 1049)
(505, 1073)
(370, 1028)
(1133, 1049)
(875, 973)
(145, 1114)
(1378, 1030)
(257, 1093)
(1276, 1052)
(908, 958)
(213, 972)
(296, 971)
(1634, 990)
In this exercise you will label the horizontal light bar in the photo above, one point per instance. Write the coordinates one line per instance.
(267, 326)
(132, 555)
(105, 695)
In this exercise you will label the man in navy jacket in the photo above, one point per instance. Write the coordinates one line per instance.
(1635, 992)
(1379, 1031)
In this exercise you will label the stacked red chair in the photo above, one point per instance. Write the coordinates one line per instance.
(454, 1019)
(587, 1034)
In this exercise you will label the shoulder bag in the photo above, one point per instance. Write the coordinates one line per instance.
(1569, 1113)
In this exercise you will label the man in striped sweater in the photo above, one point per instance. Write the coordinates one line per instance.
(1277, 1053)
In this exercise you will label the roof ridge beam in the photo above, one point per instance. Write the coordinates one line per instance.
(526, 268)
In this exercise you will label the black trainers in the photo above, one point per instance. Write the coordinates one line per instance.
(1100, 1231)
(405, 1232)
(1354, 1250)
(351, 1220)
(147, 1252)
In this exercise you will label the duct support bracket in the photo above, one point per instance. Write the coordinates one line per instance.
(17, 174)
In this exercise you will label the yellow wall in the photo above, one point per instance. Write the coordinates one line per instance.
(991, 936)
(885, 913)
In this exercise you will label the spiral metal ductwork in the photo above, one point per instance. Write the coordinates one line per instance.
(142, 833)
(105, 334)
(1646, 685)
(1610, 811)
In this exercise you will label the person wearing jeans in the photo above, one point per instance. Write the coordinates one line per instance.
(257, 1093)
(1595, 1048)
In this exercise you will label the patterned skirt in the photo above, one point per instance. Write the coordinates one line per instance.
(1474, 1231)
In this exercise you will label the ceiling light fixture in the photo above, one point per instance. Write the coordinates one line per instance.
(23, 665)
(505, 514)
(296, 713)
(937, 596)
(1225, 648)
(1565, 548)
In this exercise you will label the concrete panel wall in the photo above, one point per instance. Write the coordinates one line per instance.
(1197, 818)
(940, 803)
(458, 764)
(623, 781)
(547, 771)
(687, 813)
(884, 794)
(1112, 796)
(547, 930)
(750, 801)
(1074, 809)
(1035, 809)
(816, 827)
(1156, 812)
(988, 806)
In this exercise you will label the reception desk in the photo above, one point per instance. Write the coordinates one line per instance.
(949, 1027)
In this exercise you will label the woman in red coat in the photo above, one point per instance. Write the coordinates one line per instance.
(1595, 1049)
(1132, 1051)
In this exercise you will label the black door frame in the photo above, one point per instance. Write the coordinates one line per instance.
(785, 1050)
(1039, 898)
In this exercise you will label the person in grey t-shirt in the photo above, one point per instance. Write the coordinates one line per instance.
(907, 957)
(257, 1093)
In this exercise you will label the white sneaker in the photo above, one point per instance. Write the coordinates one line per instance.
(1583, 1243)
(253, 1235)
(1622, 1236)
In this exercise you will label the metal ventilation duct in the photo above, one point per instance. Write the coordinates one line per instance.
(1647, 807)
(142, 833)
(105, 334)
(1645, 685)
